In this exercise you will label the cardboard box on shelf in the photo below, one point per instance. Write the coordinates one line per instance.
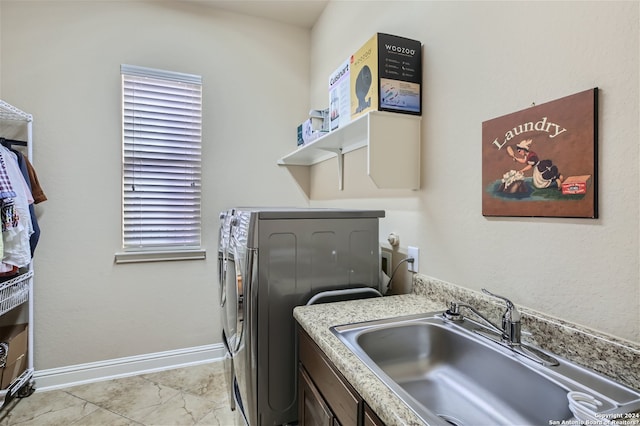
(16, 338)
(386, 75)
(320, 119)
(315, 126)
(339, 99)
(310, 130)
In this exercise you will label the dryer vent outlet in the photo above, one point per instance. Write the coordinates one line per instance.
(413, 252)
(385, 262)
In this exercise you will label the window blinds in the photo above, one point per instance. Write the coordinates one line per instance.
(162, 135)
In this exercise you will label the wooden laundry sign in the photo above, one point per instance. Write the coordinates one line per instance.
(542, 161)
(540, 126)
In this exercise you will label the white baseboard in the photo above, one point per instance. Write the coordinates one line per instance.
(57, 378)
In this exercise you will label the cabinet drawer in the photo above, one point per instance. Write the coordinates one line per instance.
(339, 395)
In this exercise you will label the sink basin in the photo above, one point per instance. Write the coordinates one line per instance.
(449, 373)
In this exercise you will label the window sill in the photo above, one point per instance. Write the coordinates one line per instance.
(160, 256)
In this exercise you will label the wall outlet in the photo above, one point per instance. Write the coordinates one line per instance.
(413, 252)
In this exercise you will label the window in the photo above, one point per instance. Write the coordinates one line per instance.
(161, 156)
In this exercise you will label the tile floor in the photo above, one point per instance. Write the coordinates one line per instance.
(194, 395)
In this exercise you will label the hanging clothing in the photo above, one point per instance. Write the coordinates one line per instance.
(32, 179)
(8, 213)
(29, 175)
(6, 190)
(16, 239)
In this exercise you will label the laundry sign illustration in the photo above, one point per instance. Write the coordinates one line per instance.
(541, 161)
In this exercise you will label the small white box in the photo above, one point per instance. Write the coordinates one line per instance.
(339, 98)
(310, 130)
(320, 119)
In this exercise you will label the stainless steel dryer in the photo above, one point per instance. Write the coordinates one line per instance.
(278, 259)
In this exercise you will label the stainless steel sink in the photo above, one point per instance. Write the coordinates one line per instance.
(451, 374)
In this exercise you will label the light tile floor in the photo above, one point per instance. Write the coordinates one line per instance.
(194, 395)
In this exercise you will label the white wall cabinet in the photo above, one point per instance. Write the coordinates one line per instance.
(392, 141)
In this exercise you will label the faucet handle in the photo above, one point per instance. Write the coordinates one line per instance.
(510, 319)
(512, 314)
(453, 313)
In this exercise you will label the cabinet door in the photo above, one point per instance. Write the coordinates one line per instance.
(370, 418)
(338, 394)
(312, 410)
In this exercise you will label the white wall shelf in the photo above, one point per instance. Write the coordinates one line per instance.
(393, 142)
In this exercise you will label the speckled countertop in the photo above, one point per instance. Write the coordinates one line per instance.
(317, 319)
(616, 358)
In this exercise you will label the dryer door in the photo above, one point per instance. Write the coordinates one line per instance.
(234, 295)
(222, 277)
(222, 264)
(223, 254)
(224, 236)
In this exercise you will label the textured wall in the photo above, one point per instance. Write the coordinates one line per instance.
(483, 60)
(61, 62)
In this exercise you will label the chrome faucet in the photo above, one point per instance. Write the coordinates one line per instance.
(510, 319)
(510, 330)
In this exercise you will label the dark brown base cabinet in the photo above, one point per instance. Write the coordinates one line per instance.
(325, 398)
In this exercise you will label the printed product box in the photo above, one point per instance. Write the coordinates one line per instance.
(576, 184)
(311, 129)
(339, 100)
(321, 117)
(14, 339)
(386, 75)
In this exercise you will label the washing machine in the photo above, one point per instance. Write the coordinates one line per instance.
(274, 260)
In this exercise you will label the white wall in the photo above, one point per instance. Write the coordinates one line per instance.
(61, 63)
(482, 60)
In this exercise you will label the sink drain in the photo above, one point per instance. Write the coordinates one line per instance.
(451, 420)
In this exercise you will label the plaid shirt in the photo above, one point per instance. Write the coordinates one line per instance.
(8, 214)
(6, 190)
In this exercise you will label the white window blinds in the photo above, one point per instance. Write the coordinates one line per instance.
(162, 134)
